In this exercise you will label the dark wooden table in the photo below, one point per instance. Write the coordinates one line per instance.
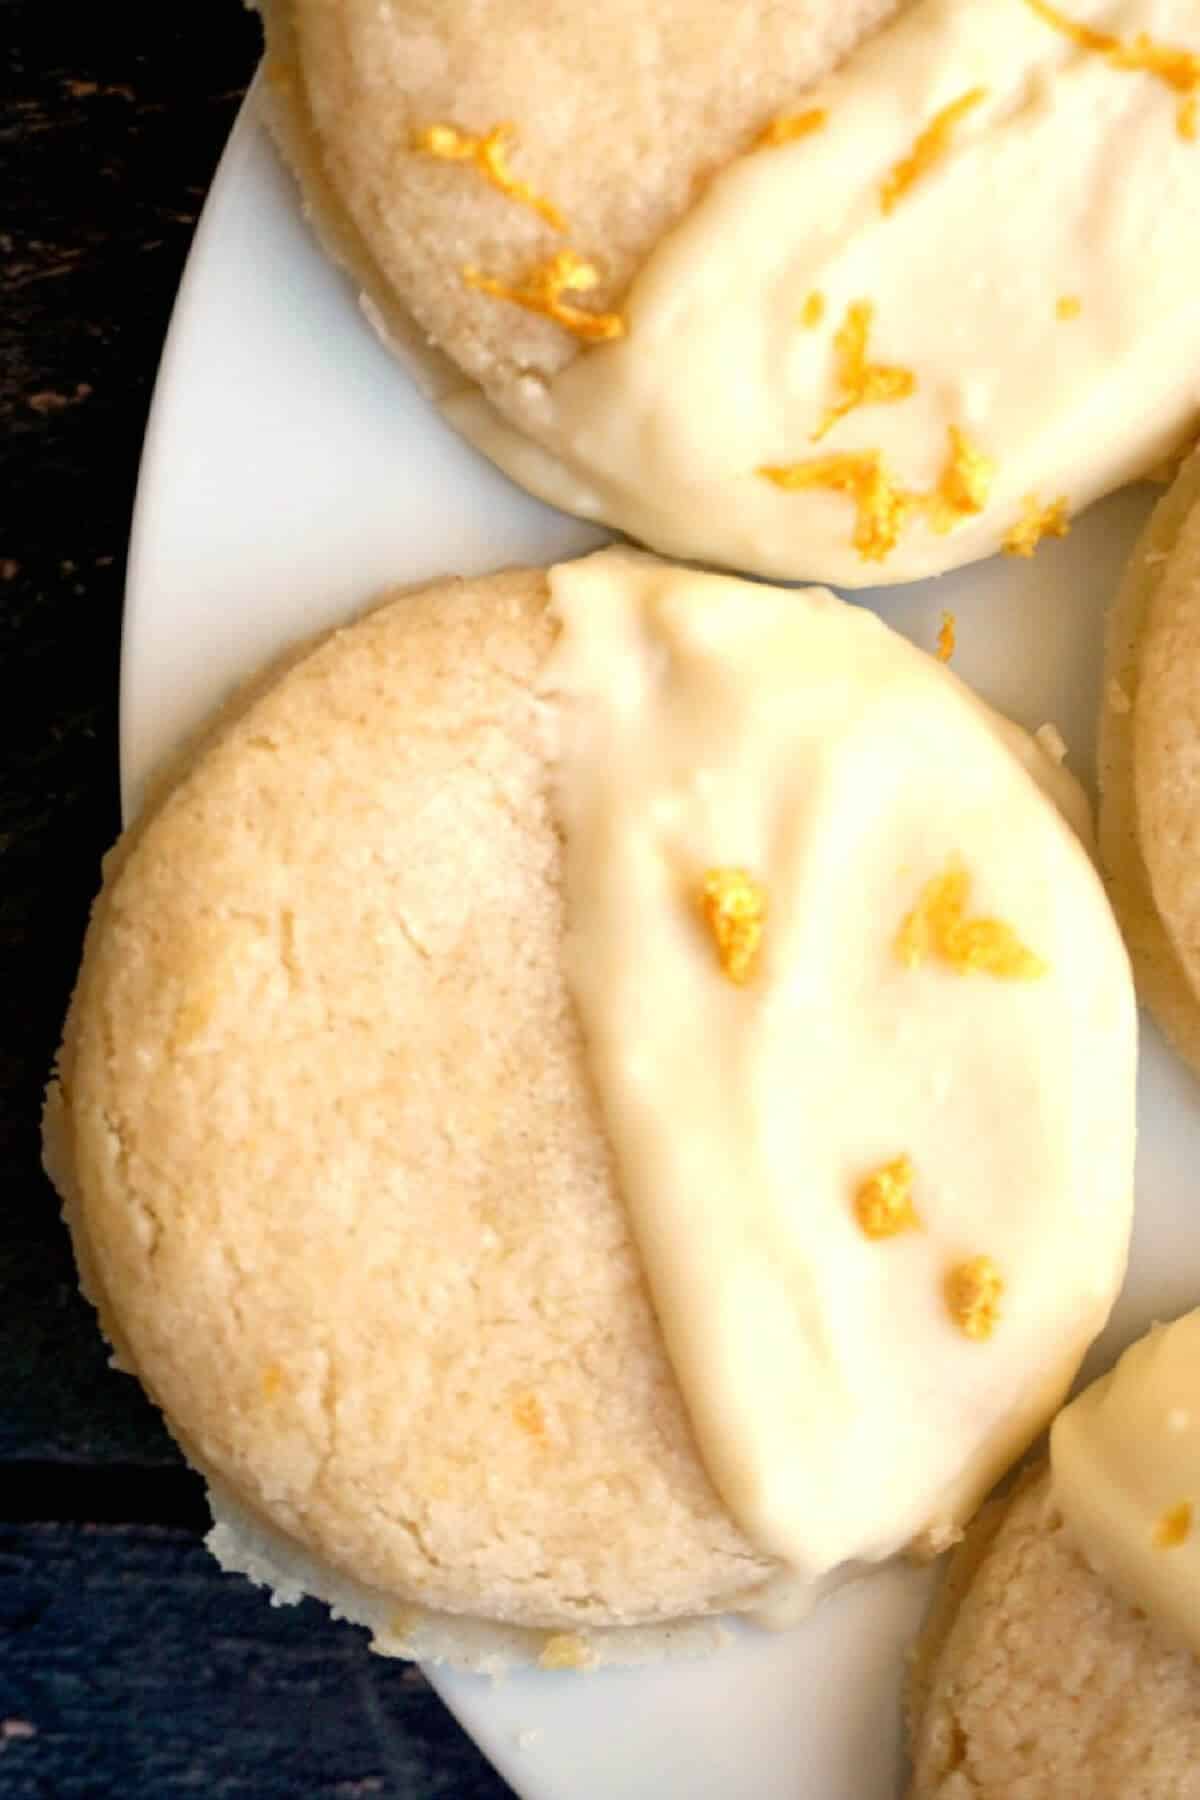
(128, 1664)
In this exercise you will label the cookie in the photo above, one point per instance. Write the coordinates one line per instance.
(1149, 741)
(348, 1165)
(672, 286)
(1036, 1678)
(654, 103)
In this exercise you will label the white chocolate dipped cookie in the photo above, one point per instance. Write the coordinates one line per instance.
(1061, 1655)
(1150, 762)
(573, 1103)
(861, 331)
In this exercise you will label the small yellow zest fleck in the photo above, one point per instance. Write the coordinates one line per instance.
(929, 148)
(1178, 69)
(1035, 523)
(813, 310)
(542, 292)
(1068, 306)
(489, 153)
(963, 485)
(883, 1202)
(272, 1381)
(1175, 1527)
(528, 1415)
(790, 126)
(973, 1289)
(734, 907)
(946, 638)
(882, 507)
(864, 383)
(566, 1650)
(938, 926)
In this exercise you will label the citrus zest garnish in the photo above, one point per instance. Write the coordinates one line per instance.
(489, 153)
(788, 127)
(1036, 522)
(938, 926)
(1179, 69)
(1174, 1527)
(813, 310)
(883, 1201)
(541, 292)
(882, 507)
(946, 638)
(929, 148)
(734, 906)
(972, 1290)
(1068, 306)
(864, 383)
(963, 484)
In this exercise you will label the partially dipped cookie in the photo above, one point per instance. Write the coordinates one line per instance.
(1150, 762)
(571, 1105)
(1061, 1657)
(860, 331)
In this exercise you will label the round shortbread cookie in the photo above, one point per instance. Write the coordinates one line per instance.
(620, 118)
(1149, 758)
(332, 1161)
(1035, 1680)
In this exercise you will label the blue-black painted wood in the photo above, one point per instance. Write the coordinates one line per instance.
(129, 1666)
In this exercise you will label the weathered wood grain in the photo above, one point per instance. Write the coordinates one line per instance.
(131, 1666)
(128, 1664)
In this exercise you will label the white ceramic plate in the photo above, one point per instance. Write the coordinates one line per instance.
(291, 469)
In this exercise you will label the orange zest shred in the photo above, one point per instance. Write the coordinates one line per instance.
(1035, 523)
(973, 1290)
(938, 926)
(1174, 1527)
(864, 383)
(883, 1201)
(813, 310)
(1178, 69)
(1068, 306)
(542, 291)
(929, 148)
(863, 475)
(790, 126)
(963, 484)
(946, 638)
(734, 907)
(489, 153)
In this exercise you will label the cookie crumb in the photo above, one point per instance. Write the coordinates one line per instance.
(566, 1650)
(1050, 739)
